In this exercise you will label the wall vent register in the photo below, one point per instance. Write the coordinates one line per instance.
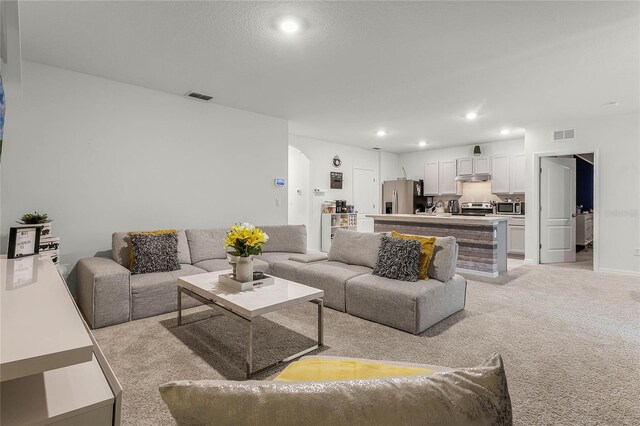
(198, 96)
(560, 135)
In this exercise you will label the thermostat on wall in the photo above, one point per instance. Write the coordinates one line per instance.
(279, 182)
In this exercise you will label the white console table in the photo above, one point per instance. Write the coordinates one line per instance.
(51, 368)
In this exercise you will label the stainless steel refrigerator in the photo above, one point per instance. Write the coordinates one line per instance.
(398, 196)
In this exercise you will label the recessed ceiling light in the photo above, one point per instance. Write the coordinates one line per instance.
(612, 104)
(505, 131)
(289, 26)
(422, 143)
(381, 133)
(471, 116)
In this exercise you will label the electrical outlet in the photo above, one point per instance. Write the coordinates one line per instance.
(636, 251)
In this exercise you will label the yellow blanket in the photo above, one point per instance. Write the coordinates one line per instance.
(313, 369)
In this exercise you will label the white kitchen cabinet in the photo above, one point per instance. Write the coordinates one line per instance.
(481, 165)
(448, 178)
(440, 178)
(431, 178)
(501, 175)
(515, 235)
(517, 174)
(465, 166)
(584, 229)
(507, 176)
(473, 166)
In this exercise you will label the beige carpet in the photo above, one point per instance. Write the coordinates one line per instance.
(570, 340)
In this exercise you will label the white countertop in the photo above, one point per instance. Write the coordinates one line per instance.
(39, 325)
(441, 218)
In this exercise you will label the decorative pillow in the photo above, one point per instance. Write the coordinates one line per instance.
(445, 257)
(466, 396)
(355, 248)
(155, 251)
(426, 251)
(398, 259)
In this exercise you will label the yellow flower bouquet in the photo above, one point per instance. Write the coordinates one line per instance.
(245, 240)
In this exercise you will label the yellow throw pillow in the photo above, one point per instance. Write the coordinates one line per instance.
(313, 369)
(159, 232)
(426, 251)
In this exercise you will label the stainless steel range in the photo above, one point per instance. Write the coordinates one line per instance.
(476, 209)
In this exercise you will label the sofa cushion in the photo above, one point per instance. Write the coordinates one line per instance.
(445, 256)
(154, 252)
(408, 306)
(355, 248)
(285, 238)
(286, 269)
(465, 396)
(205, 244)
(274, 257)
(212, 265)
(156, 293)
(398, 259)
(121, 248)
(330, 277)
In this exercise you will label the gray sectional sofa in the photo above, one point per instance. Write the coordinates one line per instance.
(108, 294)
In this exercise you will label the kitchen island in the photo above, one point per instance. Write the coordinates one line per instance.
(482, 240)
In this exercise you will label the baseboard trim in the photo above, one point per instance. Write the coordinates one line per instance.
(530, 262)
(620, 272)
(478, 273)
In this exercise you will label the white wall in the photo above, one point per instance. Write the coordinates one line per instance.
(320, 155)
(615, 140)
(298, 188)
(100, 156)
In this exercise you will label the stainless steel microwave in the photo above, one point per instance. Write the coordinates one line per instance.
(510, 208)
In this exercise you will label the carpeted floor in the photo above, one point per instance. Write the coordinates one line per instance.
(570, 340)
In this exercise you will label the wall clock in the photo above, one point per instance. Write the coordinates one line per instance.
(337, 162)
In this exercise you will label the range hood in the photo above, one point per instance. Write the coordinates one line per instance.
(480, 177)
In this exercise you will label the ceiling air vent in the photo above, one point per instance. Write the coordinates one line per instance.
(560, 135)
(198, 96)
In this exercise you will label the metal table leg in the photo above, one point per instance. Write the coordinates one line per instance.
(179, 305)
(249, 360)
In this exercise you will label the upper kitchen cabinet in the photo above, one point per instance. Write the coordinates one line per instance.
(507, 175)
(431, 178)
(465, 166)
(448, 177)
(440, 178)
(473, 166)
(481, 165)
(517, 174)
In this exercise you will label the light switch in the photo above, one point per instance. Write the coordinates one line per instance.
(277, 202)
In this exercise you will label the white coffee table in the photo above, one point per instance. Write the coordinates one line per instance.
(245, 306)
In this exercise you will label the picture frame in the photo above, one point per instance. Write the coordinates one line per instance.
(24, 241)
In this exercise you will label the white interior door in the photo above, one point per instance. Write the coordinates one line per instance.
(557, 210)
(365, 191)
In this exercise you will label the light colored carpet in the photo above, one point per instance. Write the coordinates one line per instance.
(570, 341)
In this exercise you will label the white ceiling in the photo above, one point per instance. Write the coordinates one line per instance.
(413, 68)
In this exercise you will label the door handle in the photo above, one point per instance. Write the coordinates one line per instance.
(573, 215)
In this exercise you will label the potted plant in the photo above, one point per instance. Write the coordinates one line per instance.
(36, 218)
(246, 241)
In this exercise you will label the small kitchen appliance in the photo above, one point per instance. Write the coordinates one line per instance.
(510, 208)
(454, 207)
